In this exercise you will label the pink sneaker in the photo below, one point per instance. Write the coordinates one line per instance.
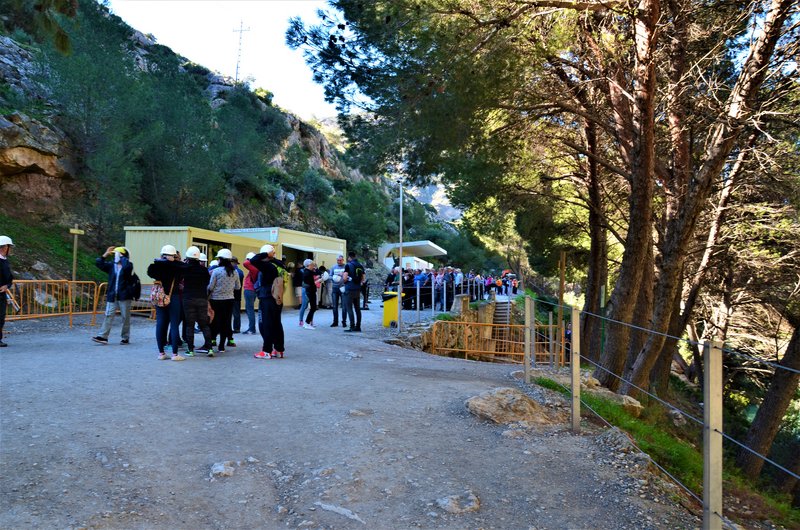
(302, 323)
(276, 353)
(261, 355)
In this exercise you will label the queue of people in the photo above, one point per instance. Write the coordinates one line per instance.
(440, 286)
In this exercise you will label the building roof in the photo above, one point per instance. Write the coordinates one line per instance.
(419, 249)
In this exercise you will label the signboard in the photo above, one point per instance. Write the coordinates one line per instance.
(76, 231)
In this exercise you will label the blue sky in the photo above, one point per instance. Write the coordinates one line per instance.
(203, 31)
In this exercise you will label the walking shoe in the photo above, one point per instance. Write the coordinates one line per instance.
(210, 353)
(3, 344)
(202, 350)
(309, 326)
(178, 357)
(231, 343)
(190, 354)
(302, 323)
(335, 324)
(357, 329)
(349, 330)
(162, 356)
(261, 355)
(99, 339)
(221, 349)
(124, 341)
(276, 353)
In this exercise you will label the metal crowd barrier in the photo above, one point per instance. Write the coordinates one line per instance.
(57, 298)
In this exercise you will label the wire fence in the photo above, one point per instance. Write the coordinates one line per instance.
(711, 423)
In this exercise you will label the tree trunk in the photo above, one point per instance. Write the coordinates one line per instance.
(770, 414)
(597, 276)
(640, 202)
(659, 376)
(721, 141)
(784, 482)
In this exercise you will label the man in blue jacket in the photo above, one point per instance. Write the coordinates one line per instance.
(119, 294)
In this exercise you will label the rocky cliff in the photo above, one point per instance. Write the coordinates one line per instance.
(37, 166)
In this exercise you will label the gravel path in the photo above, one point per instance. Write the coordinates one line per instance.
(345, 432)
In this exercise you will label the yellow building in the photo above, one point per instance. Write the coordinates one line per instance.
(145, 242)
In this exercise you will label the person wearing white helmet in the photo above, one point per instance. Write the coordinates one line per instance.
(6, 280)
(310, 281)
(203, 260)
(167, 270)
(195, 303)
(269, 289)
(119, 293)
(303, 293)
(224, 281)
(337, 294)
(237, 297)
(250, 294)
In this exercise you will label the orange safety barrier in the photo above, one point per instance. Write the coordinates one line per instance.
(55, 298)
(489, 342)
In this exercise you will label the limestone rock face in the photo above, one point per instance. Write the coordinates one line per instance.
(17, 67)
(508, 405)
(35, 166)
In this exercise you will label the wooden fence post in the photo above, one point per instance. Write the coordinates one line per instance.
(527, 358)
(712, 436)
(575, 366)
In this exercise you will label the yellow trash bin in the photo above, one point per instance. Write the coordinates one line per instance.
(390, 307)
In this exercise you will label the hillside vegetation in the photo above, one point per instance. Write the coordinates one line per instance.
(147, 137)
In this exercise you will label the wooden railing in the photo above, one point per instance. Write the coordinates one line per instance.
(493, 342)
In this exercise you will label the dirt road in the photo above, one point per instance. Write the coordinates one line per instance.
(345, 432)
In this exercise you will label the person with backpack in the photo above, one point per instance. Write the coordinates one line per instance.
(269, 289)
(250, 294)
(119, 293)
(352, 277)
(195, 302)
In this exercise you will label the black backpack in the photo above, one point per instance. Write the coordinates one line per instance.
(136, 286)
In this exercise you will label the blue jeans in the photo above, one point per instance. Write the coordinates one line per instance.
(250, 309)
(304, 305)
(169, 317)
(338, 298)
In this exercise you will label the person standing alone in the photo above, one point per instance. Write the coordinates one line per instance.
(6, 279)
(119, 292)
(353, 277)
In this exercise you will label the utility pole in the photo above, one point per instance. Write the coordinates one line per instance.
(400, 283)
(240, 31)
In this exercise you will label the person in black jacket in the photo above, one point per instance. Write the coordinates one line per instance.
(6, 279)
(168, 270)
(119, 294)
(195, 302)
(270, 302)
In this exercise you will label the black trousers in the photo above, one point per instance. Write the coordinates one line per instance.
(3, 306)
(270, 326)
(196, 310)
(222, 321)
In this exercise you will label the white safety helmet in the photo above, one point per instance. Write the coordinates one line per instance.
(5, 240)
(193, 252)
(214, 263)
(307, 262)
(325, 276)
(225, 253)
(203, 257)
(250, 255)
(168, 250)
(269, 249)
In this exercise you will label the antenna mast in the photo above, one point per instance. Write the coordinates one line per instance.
(240, 31)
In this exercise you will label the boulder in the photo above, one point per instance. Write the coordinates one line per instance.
(509, 405)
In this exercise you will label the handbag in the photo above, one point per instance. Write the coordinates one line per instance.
(157, 295)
